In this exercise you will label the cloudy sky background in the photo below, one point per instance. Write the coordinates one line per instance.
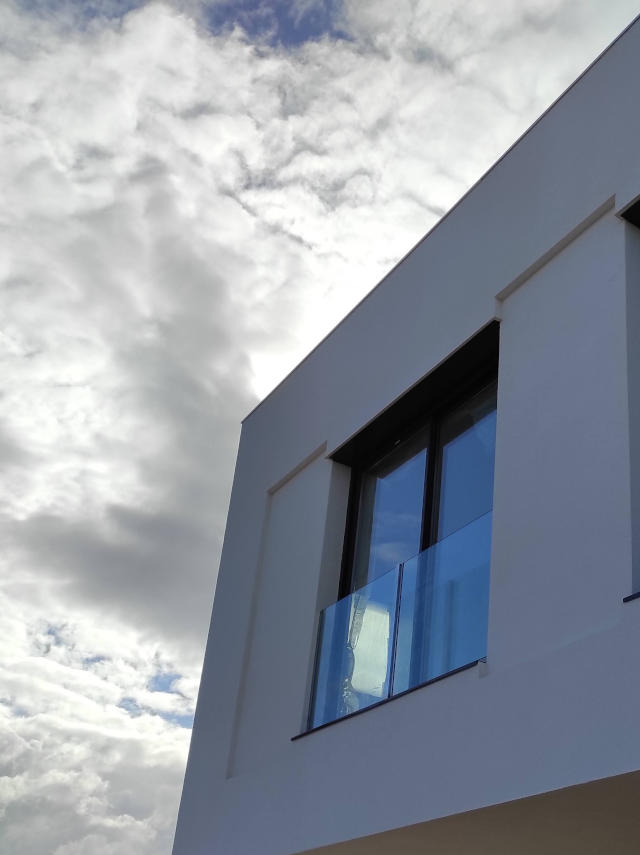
(193, 193)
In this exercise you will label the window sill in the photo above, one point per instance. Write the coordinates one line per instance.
(384, 701)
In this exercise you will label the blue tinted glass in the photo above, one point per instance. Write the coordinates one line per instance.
(390, 518)
(354, 652)
(468, 441)
(442, 622)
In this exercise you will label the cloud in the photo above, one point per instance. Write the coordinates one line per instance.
(186, 213)
(79, 772)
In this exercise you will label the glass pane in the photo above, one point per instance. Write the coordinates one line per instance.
(444, 607)
(354, 651)
(390, 517)
(468, 442)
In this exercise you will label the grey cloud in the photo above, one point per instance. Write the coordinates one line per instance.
(149, 569)
(12, 454)
(155, 564)
(185, 223)
(420, 52)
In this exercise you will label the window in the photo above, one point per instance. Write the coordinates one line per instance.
(415, 580)
(431, 484)
(391, 509)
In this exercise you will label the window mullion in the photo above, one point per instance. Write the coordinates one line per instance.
(429, 487)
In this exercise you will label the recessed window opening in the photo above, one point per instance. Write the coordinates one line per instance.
(413, 603)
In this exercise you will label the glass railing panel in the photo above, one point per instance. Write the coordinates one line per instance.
(444, 604)
(355, 649)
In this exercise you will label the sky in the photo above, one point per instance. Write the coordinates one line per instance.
(193, 194)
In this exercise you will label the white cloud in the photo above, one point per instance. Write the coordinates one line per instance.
(78, 770)
(184, 216)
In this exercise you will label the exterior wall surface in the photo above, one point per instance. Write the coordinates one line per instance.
(536, 244)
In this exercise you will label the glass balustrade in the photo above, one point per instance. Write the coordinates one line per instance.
(444, 607)
(355, 650)
(420, 621)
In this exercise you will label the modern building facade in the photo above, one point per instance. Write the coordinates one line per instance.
(424, 636)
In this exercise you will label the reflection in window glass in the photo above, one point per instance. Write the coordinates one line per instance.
(444, 606)
(355, 651)
(467, 440)
(390, 518)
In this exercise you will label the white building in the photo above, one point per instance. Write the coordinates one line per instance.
(414, 650)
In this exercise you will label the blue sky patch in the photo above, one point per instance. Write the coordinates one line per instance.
(134, 709)
(278, 22)
(180, 720)
(88, 661)
(162, 681)
(131, 706)
(54, 634)
(83, 11)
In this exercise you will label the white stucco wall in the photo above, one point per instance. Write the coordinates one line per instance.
(557, 704)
